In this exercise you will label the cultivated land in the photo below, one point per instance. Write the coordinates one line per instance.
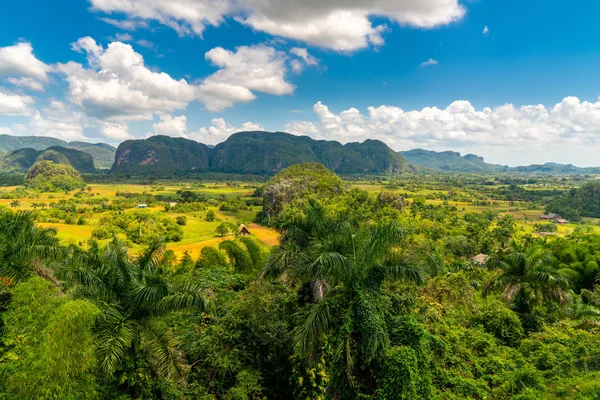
(199, 233)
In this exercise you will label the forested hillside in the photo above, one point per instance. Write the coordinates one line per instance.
(23, 159)
(577, 203)
(102, 153)
(254, 153)
(160, 156)
(268, 153)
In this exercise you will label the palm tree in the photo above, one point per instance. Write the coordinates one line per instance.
(26, 248)
(133, 294)
(343, 265)
(526, 278)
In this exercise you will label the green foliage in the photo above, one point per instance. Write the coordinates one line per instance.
(501, 322)
(25, 248)
(181, 220)
(211, 257)
(577, 203)
(49, 342)
(222, 229)
(238, 256)
(293, 186)
(254, 250)
(210, 216)
(50, 177)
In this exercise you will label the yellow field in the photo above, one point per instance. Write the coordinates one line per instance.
(197, 233)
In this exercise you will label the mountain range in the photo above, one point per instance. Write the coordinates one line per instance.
(102, 153)
(254, 153)
(22, 160)
(257, 153)
(455, 162)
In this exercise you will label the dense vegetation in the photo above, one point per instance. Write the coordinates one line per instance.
(577, 203)
(50, 177)
(368, 295)
(253, 153)
(23, 159)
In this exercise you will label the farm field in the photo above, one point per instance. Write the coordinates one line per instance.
(198, 233)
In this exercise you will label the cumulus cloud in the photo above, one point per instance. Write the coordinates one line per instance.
(171, 126)
(115, 131)
(460, 125)
(14, 104)
(250, 68)
(185, 16)
(22, 68)
(220, 130)
(57, 121)
(428, 63)
(118, 85)
(343, 25)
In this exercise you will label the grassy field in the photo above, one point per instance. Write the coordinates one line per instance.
(199, 233)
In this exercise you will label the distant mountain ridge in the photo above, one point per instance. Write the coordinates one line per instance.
(254, 153)
(451, 161)
(102, 153)
(260, 153)
(22, 160)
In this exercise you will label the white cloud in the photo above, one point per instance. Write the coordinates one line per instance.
(343, 25)
(59, 123)
(171, 126)
(220, 131)
(118, 85)
(303, 59)
(428, 63)
(256, 68)
(461, 126)
(21, 67)
(115, 131)
(27, 83)
(123, 37)
(486, 30)
(15, 105)
(127, 25)
(185, 16)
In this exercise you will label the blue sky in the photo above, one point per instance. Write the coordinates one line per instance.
(513, 81)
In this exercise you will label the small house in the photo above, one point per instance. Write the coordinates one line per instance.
(480, 259)
(142, 206)
(243, 231)
(172, 204)
(550, 216)
(562, 221)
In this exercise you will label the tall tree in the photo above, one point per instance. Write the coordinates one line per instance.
(132, 295)
(343, 266)
(26, 248)
(526, 277)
